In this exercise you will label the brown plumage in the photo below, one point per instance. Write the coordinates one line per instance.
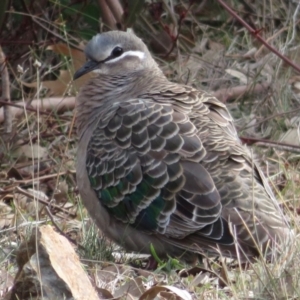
(161, 163)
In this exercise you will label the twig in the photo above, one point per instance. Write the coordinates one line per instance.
(293, 111)
(45, 202)
(29, 181)
(267, 143)
(117, 11)
(15, 183)
(36, 20)
(54, 104)
(269, 39)
(60, 231)
(230, 93)
(107, 16)
(255, 33)
(181, 18)
(5, 94)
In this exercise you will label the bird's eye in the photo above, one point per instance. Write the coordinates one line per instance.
(117, 52)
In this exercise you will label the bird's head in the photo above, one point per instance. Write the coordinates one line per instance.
(116, 52)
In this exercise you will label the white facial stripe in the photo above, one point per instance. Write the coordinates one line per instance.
(139, 54)
(97, 71)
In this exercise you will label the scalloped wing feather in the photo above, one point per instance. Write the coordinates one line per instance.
(170, 163)
(144, 164)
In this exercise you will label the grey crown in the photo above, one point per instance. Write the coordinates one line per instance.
(161, 163)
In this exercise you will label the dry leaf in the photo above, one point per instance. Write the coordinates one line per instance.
(106, 275)
(134, 287)
(201, 279)
(6, 282)
(292, 136)
(6, 216)
(155, 293)
(56, 263)
(105, 294)
(234, 73)
(297, 87)
(215, 46)
(64, 84)
(194, 271)
(250, 53)
(61, 192)
(32, 151)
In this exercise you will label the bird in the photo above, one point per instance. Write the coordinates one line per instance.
(160, 164)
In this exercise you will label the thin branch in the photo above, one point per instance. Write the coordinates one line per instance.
(117, 11)
(74, 242)
(272, 144)
(60, 37)
(231, 93)
(48, 105)
(107, 16)
(180, 21)
(45, 202)
(255, 33)
(293, 111)
(57, 104)
(7, 115)
(15, 183)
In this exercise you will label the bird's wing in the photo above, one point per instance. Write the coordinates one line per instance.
(247, 200)
(144, 164)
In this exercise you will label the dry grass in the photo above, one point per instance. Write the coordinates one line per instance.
(204, 47)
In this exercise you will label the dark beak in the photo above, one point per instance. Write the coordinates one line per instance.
(86, 68)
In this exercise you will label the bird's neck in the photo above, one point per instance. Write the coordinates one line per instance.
(107, 90)
(116, 88)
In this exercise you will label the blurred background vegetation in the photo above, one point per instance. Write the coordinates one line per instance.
(195, 42)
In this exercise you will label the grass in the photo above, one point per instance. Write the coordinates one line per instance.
(209, 44)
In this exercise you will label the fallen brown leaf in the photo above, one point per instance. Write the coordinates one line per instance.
(49, 267)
